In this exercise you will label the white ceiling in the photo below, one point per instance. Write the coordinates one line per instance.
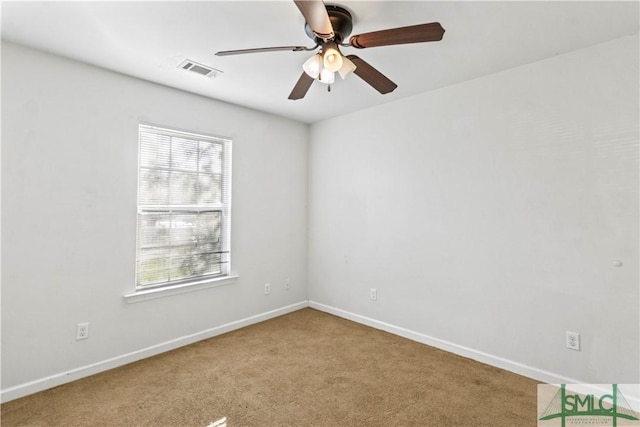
(149, 39)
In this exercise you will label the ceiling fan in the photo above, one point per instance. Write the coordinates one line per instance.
(329, 26)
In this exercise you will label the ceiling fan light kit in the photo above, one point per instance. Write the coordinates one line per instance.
(323, 65)
(329, 26)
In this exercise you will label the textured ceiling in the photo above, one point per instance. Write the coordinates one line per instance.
(149, 39)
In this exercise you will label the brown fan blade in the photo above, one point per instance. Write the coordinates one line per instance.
(372, 76)
(315, 13)
(413, 34)
(301, 88)
(264, 49)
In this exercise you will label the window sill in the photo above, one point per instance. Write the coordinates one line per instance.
(147, 294)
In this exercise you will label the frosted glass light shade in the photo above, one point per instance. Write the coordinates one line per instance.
(347, 67)
(327, 76)
(332, 59)
(313, 65)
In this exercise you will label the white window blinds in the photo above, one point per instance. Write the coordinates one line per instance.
(184, 193)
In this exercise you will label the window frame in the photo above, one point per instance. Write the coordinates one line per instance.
(224, 276)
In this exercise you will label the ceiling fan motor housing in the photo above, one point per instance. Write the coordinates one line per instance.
(341, 21)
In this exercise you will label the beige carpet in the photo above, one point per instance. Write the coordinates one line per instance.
(305, 368)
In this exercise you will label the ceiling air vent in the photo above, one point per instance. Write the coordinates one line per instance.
(201, 69)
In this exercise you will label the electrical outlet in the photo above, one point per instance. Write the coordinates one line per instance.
(573, 340)
(82, 331)
(287, 284)
(373, 294)
(267, 288)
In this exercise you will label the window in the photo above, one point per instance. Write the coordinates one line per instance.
(184, 189)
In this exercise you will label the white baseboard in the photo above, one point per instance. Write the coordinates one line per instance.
(26, 389)
(31, 387)
(489, 359)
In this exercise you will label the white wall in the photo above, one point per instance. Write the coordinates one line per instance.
(489, 214)
(69, 159)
